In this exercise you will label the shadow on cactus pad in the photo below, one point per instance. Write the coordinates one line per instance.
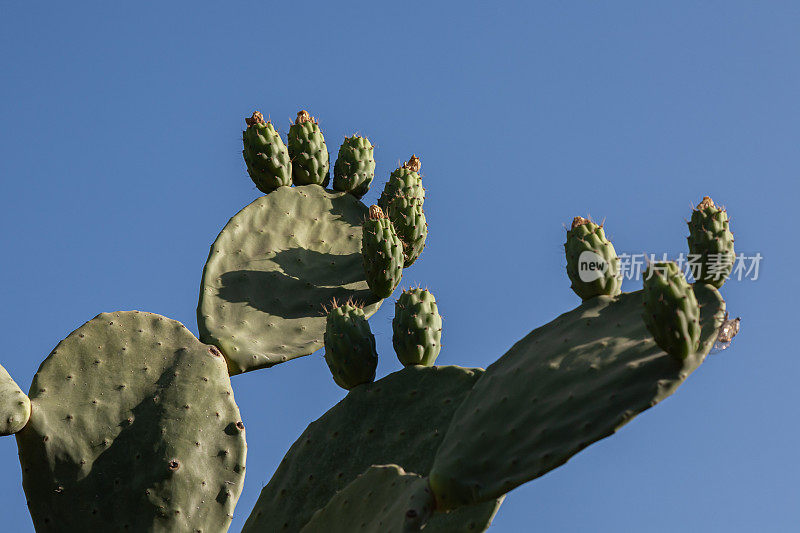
(400, 419)
(274, 268)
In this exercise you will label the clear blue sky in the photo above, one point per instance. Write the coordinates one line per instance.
(120, 158)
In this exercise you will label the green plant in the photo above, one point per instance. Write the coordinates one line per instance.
(131, 423)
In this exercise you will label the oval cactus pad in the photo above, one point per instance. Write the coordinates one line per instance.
(133, 428)
(567, 384)
(274, 268)
(15, 407)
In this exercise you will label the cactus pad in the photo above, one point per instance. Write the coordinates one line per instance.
(399, 419)
(384, 499)
(15, 407)
(564, 386)
(272, 270)
(133, 427)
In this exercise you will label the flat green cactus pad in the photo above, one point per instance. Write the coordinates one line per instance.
(133, 428)
(566, 385)
(384, 499)
(399, 419)
(273, 268)
(15, 407)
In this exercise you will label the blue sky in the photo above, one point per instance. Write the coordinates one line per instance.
(120, 159)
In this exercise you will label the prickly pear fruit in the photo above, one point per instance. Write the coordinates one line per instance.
(671, 313)
(711, 240)
(349, 346)
(592, 262)
(265, 155)
(382, 251)
(416, 328)
(309, 154)
(355, 166)
(409, 222)
(404, 181)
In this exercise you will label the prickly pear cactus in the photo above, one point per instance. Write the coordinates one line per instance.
(309, 154)
(564, 386)
(710, 238)
(405, 182)
(384, 499)
(349, 346)
(354, 169)
(671, 313)
(417, 328)
(133, 428)
(401, 417)
(592, 262)
(265, 155)
(382, 253)
(15, 407)
(273, 269)
(408, 219)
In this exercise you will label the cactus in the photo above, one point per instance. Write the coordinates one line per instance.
(711, 240)
(592, 262)
(349, 346)
(15, 406)
(309, 154)
(416, 328)
(355, 166)
(384, 499)
(265, 155)
(272, 270)
(408, 219)
(382, 253)
(671, 313)
(133, 427)
(401, 418)
(131, 423)
(405, 182)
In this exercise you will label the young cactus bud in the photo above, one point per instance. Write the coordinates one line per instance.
(382, 252)
(265, 155)
(349, 346)
(416, 328)
(309, 154)
(592, 262)
(409, 222)
(354, 169)
(710, 244)
(671, 312)
(404, 182)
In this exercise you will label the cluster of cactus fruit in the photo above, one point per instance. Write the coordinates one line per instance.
(131, 423)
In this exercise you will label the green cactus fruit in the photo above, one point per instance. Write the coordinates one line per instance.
(349, 346)
(265, 155)
(272, 270)
(671, 313)
(566, 385)
(133, 427)
(405, 182)
(382, 252)
(592, 262)
(710, 244)
(416, 328)
(384, 499)
(399, 419)
(15, 406)
(309, 154)
(408, 219)
(354, 169)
